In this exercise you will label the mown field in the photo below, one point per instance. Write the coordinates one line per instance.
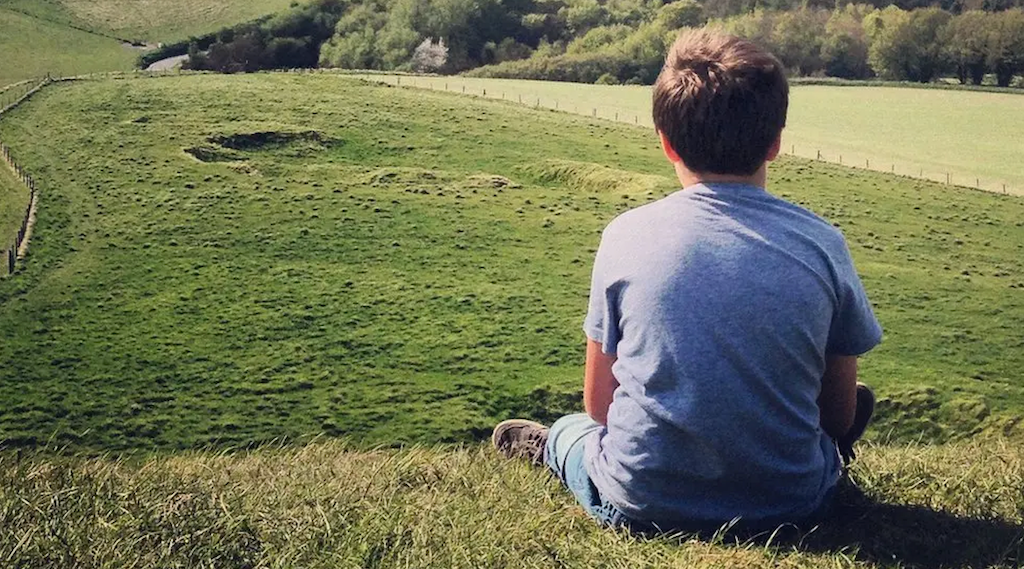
(972, 136)
(229, 259)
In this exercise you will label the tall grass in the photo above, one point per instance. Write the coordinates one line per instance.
(324, 505)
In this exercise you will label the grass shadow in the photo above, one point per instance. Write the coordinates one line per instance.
(905, 535)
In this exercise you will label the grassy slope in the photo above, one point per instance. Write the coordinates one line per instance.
(49, 36)
(324, 506)
(13, 201)
(32, 47)
(385, 289)
(159, 20)
(922, 132)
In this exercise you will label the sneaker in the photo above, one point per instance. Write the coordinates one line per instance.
(520, 438)
(861, 419)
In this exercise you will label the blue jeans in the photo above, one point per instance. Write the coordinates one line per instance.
(564, 456)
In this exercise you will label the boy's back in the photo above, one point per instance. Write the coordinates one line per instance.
(718, 302)
(723, 325)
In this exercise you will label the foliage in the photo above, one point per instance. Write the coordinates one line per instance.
(844, 51)
(288, 40)
(681, 14)
(967, 38)
(1006, 51)
(229, 259)
(429, 56)
(906, 45)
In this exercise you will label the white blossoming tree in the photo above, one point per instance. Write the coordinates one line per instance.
(429, 56)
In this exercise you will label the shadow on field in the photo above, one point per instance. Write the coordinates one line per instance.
(908, 536)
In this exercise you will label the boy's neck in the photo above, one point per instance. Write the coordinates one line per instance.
(689, 178)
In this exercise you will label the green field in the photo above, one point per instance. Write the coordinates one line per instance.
(228, 259)
(33, 47)
(972, 136)
(159, 20)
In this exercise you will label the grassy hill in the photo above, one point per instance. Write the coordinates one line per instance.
(33, 47)
(223, 260)
(325, 505)
(72, 37)
(159, 20)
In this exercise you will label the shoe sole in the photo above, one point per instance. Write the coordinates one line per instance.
(501, 427)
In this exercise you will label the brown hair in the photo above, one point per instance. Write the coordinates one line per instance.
(721, 101)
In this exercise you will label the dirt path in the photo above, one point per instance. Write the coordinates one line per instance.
(168, 63)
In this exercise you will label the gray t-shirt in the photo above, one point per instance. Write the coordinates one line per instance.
(720, 302)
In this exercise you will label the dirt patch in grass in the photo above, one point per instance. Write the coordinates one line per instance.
(272, 139)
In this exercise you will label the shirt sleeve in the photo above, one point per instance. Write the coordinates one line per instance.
(602, 321)
(854, 330)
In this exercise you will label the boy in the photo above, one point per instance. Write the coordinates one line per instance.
(723, 327)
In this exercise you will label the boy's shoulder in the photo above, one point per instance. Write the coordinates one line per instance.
(751, 208)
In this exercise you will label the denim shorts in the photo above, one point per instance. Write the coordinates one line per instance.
(564, 455)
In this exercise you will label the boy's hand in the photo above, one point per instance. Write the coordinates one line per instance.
(846, 450)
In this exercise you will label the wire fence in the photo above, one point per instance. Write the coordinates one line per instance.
(18, 248)
(626, 113)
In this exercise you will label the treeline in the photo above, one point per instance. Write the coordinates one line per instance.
(624, 41)
(286, 41)
(857, 41)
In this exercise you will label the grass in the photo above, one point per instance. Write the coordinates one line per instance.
(159, 20)
(33, 47)
(327, 505)
(927, 133)
(14, 198)
(395, 265)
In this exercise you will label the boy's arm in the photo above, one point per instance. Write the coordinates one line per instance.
(838, 398)
(598, 382)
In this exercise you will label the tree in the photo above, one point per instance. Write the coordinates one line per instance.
(681, 14)
(905, 46)
(966, 38)
(796, 39)
(429, 56)
(844, 51)
(1006, 50)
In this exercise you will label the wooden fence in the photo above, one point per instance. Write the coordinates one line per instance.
(17, 248)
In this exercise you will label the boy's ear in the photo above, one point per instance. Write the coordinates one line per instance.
(666, 147)
(775, 148)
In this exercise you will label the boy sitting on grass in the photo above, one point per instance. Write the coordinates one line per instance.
(723, 327)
